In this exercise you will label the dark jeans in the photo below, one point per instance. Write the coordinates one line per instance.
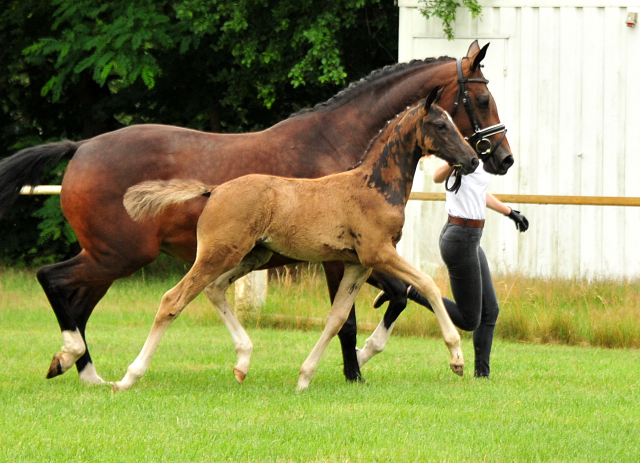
(476, 305)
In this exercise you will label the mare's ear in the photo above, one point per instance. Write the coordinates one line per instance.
(477, 59)
(473, 49)
(434, 97)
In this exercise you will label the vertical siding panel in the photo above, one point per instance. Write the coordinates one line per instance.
(406, 34)
(592, 107)
(509, 113)
(568, 217)
(632, 147)
(547, 115)
(528, 110)
(613, 135)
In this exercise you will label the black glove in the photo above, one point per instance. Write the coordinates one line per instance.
(521, 221)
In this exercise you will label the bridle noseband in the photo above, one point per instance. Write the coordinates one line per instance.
(479, 141)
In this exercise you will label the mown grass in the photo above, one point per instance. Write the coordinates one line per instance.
(546, 403)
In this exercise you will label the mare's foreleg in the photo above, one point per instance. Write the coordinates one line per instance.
(216, 292)
(390, 262)
(354, 277)
(348, 333)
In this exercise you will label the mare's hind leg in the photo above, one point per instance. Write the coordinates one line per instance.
(388, 261)
(82, 303)
(353, 279)
(73, 288)
(396, 292)
(216, 292)
(348, 333)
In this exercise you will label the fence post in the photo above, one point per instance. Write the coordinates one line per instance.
(251, 293)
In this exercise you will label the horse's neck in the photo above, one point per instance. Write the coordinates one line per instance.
(390, 165)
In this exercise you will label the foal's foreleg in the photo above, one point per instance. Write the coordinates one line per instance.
(354, 277)
(216, 292)
(391, 263)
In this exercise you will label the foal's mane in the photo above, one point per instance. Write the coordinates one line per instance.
(356, 88)
(388, 129)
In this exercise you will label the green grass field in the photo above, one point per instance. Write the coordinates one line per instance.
(546, 403)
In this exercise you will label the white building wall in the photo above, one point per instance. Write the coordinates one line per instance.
(566, 79)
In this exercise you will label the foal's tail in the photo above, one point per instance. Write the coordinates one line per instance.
(148, 199)
(25, 168)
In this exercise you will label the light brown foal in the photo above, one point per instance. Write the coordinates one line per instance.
(355, 217)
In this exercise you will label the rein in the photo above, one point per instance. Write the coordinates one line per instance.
(480, 138)
(457, 183)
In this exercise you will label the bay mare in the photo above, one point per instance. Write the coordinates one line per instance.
(355, 217)
(327, 139)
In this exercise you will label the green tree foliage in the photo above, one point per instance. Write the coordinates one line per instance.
(446, 11)
(77, 68)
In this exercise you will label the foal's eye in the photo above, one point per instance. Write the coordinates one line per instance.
(441, 125)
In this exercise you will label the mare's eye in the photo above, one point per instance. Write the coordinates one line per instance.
(441, 125)
(482, 102)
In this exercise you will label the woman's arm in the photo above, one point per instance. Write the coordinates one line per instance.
(495, 204)
(441, 172)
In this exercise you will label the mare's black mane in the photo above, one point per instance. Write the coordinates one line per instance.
(357, 87)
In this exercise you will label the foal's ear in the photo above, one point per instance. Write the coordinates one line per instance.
(477, 59)
(434, 97)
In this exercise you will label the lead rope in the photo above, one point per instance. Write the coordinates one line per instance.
(455, 170)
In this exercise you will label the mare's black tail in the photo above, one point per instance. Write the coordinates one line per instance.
(27, 166)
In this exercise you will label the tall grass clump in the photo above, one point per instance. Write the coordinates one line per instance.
(602, 312)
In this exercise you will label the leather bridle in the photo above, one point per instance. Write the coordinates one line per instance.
(479, 141)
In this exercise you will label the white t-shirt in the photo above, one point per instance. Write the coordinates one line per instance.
(471, 200)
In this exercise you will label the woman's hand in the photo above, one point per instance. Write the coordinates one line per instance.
(522, 224)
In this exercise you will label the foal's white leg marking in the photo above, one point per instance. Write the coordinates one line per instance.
(72, 349)
(375, 343)
(89, 376)
(243, 344)
(354, 277)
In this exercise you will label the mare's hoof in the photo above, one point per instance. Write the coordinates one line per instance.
(457, 369)
(357, 379)
(240, 376)
(55, 369)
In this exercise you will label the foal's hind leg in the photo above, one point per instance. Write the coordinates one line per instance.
(173, 302)
(212, 262)
(353, 279)
(216, 292)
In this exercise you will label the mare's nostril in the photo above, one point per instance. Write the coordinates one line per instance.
(507, 163)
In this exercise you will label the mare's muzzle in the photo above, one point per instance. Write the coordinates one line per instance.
(482, 144)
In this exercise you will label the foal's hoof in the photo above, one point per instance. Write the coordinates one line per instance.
(457, 369)
(240, 376)
(55, 369)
